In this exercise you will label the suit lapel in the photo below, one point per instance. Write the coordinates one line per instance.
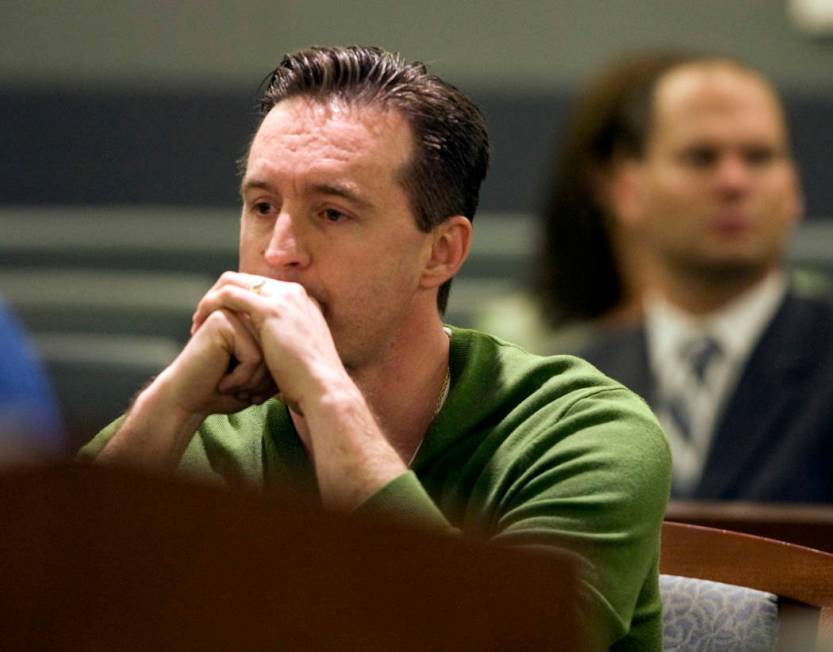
(643, 381)
(624, 357)
(768, 387)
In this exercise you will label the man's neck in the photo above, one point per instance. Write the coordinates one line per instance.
(699, 295)
(404, 390)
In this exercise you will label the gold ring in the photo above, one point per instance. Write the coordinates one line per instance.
(256, 288)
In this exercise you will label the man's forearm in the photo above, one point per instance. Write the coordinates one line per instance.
(353, 459)
(154, 434)
(164, 417)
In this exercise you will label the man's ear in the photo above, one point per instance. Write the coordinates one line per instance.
(795, 195)
(625, 193)
(449, 249)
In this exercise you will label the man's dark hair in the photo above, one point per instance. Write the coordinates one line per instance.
(578, 276)
(451, 146)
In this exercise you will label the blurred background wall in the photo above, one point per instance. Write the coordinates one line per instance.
(150, 101)
(121, 123)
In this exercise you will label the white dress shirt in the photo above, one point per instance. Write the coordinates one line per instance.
(670, 331)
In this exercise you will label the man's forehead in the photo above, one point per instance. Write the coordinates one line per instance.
(337, 127)
(712, 89)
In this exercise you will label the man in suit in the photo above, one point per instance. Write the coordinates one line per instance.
(737, 365)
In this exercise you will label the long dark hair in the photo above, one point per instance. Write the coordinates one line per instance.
(578, 277)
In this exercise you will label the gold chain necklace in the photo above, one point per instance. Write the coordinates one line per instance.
(440, 399)
(443, 391)
(440, 402)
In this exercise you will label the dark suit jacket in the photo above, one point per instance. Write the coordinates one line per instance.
(774, 440)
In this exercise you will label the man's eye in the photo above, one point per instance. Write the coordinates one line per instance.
(332, 215)
(758, 156)
(262, 207)
(700, 157)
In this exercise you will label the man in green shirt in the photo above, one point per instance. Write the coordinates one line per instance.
(359, 189)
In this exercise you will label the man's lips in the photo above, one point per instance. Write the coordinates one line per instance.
(731, 223)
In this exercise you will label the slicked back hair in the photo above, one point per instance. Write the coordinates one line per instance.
(451, 145)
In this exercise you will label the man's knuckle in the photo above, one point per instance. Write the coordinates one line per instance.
(215, 319)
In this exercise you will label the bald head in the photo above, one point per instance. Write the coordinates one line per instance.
(714, 193)
(713, 87)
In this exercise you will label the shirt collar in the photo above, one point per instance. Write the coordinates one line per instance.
(736, 326)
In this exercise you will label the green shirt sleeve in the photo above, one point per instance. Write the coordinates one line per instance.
(88, 451)
(591, 478)
(404, 500)
(599, 489)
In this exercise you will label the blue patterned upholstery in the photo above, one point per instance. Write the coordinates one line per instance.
(703, 616)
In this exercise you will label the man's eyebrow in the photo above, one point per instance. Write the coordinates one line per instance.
(339, 190)
(249, 183)
(333, 189)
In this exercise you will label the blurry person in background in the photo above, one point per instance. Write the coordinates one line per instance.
(589, 275)
(30, 428)
(736, 363)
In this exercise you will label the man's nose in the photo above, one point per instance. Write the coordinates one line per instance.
(286, 248)
(733, 174)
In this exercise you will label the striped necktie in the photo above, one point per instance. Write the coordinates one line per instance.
(699, 356)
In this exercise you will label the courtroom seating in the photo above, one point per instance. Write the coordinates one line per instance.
(140, 270)
(178, 239)
(101, 334)
(107, 294)
(183, 240)
(705, 615)
(805, 525)
(702, 615)
(139, 238)
(104, 301)
(96, 374)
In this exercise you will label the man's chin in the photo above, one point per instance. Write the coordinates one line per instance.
(732, 268)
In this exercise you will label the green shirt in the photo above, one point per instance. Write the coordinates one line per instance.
(526, 450)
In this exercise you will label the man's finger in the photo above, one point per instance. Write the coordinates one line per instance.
(249, 370)
(244, 281)
(228, 297)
